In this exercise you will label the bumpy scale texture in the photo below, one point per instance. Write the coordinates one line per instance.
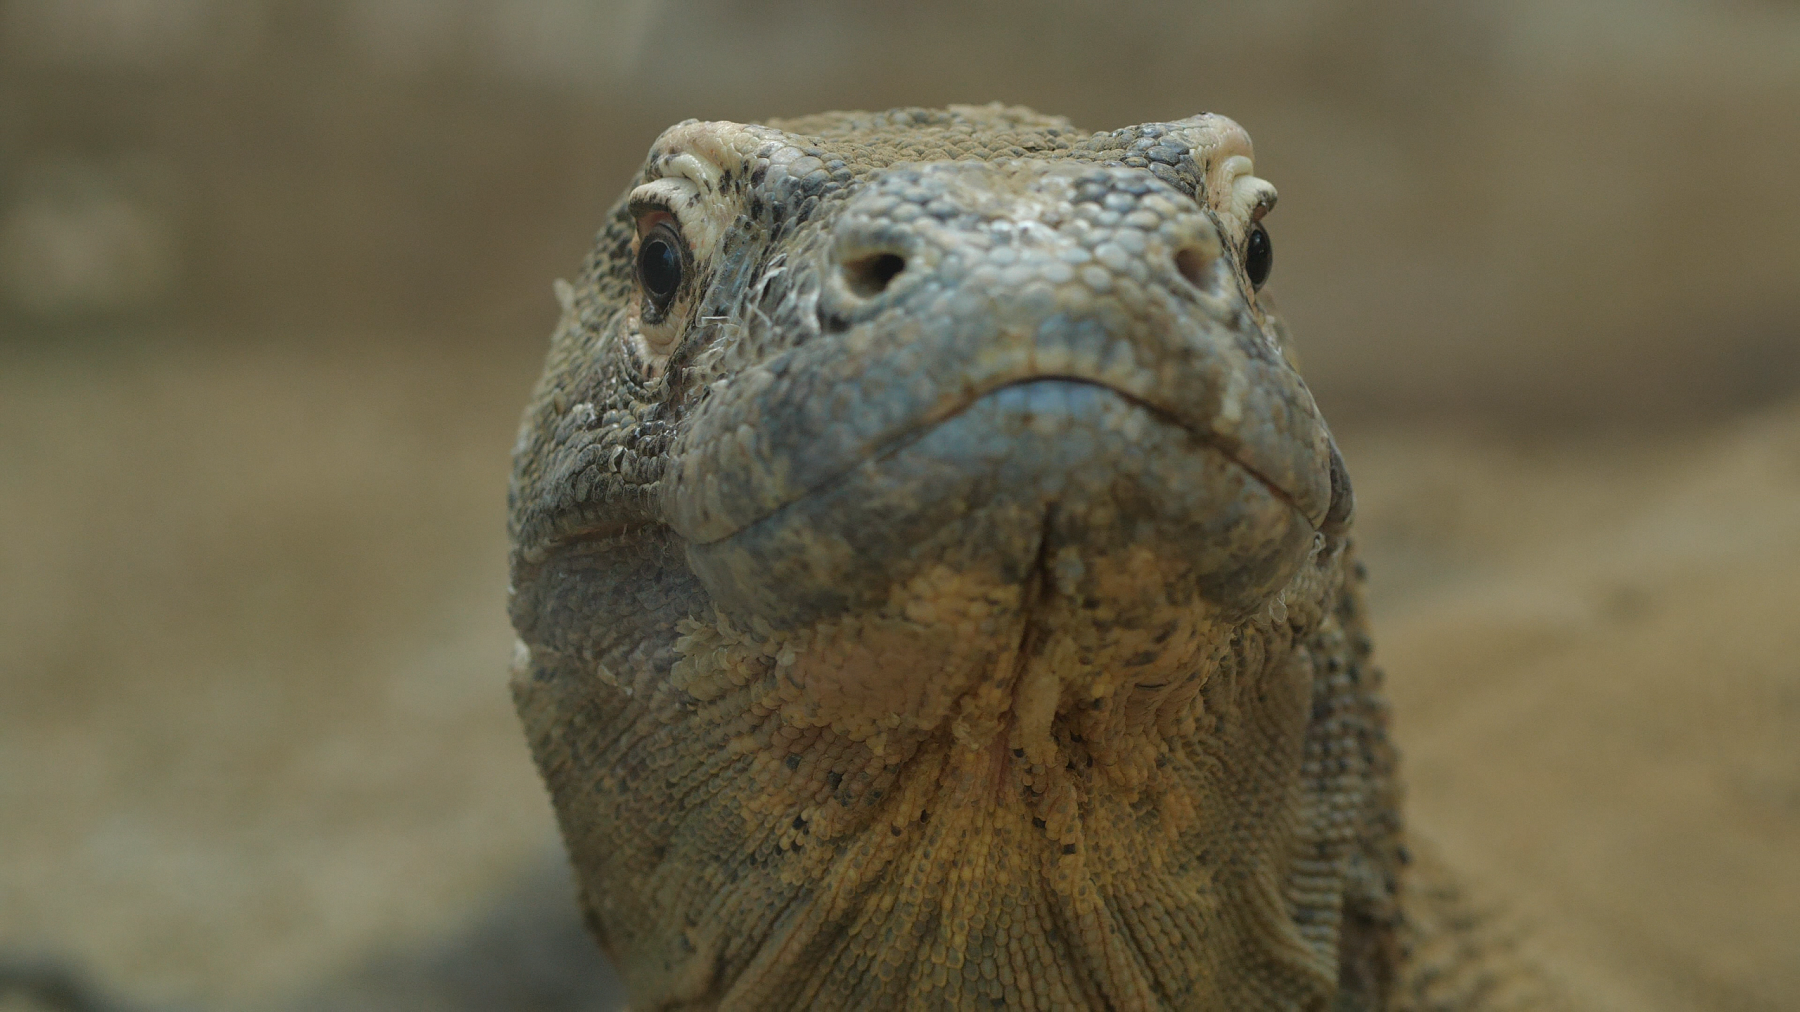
(934, 589)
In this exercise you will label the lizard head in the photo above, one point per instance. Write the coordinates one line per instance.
(863, 375)
(872, 441)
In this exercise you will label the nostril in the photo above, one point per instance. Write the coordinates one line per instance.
(1195, 264)
(869, 276)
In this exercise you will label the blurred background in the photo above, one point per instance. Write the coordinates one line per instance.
(275, 280)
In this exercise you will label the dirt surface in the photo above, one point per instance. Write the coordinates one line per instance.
(255, 721)
(1596, 673)
(256, 737)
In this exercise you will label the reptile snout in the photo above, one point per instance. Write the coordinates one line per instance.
(1033, 357)
(1023, 240)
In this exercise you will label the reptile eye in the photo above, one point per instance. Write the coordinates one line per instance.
(1259, 256)
(660, 265)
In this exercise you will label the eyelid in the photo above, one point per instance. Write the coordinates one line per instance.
(649, 215)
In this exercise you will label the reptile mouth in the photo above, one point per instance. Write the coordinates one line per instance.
(911, 434)
(985, 487)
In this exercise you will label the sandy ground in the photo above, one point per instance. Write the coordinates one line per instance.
(1595, 662)
(254, 734)
(255, 721)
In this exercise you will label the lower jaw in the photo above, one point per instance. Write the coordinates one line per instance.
(1064, 477)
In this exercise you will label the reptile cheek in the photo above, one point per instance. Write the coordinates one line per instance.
(1343, 498)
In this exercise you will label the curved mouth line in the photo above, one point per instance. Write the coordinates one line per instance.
(901, 439)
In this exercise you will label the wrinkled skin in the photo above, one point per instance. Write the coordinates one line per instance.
(943, 598)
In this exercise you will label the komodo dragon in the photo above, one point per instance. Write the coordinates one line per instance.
(934, 589)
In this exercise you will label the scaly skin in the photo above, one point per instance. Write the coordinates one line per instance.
(945, 599)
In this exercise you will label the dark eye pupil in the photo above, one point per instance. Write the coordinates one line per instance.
(659, 269)
(1259, 256)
